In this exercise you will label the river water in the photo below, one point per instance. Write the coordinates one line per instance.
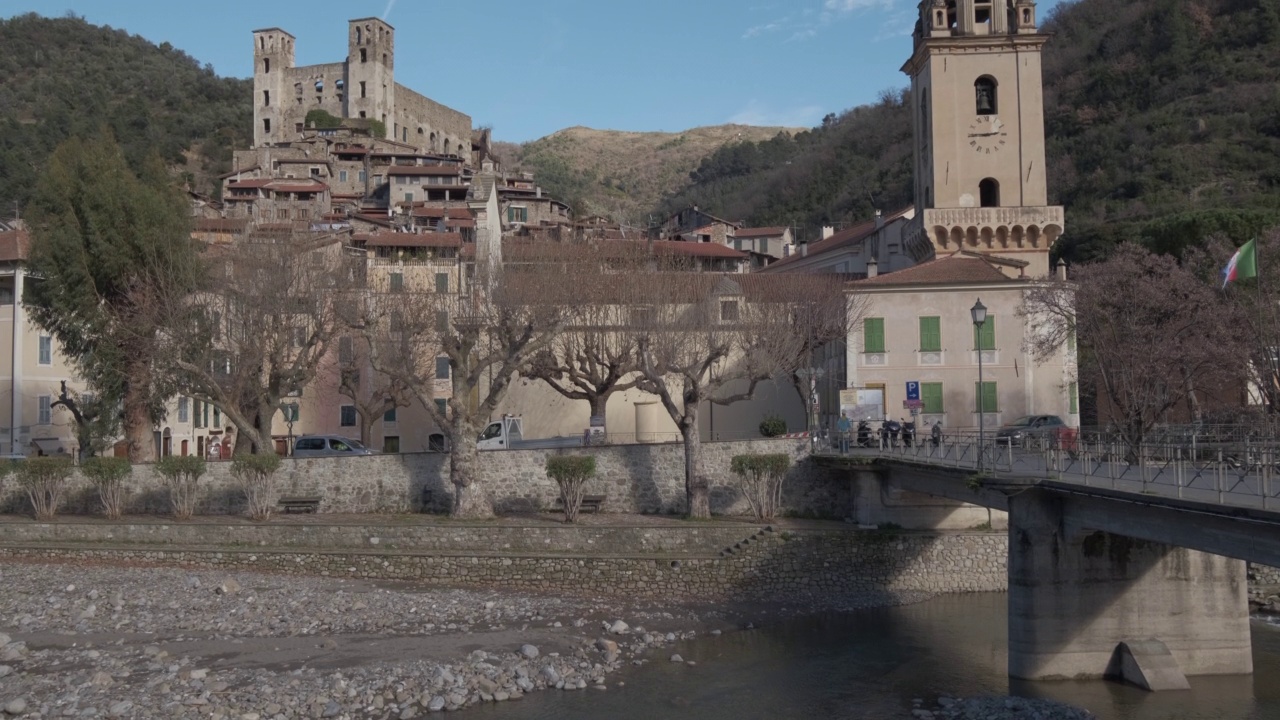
(871, 664)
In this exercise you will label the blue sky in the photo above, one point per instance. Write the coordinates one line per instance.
(531, 68)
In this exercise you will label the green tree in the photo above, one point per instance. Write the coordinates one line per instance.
(108, 244)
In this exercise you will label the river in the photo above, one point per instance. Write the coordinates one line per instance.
(871, 664)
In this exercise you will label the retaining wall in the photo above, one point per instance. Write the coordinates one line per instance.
(635, 479)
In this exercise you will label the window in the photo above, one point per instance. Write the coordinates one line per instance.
(44, 405)
(342, 176)
(873, 335)
(986, 393)
(319, 86)
(217, 418)
(290, 412)
(266, 65)
(266, 125)
(184, 410)
(984, 91)
(984, 337)
(442, 368)
(198, 419)
(989, 193)
(46, 350)
(435, 443)
(408, 197)
(299, 337)
(389, 416)
(442, 321)
(931, 396)
(442, 407)
(362, 89)
(397, 282)
(6, 296)
(364, 57)
(346, 350)
(347, 416)
(391, 444)
(728, 311)
(517, 214)
(930, 334)
(309, 444)
(361, 176)
(442, 282)
(1073, 398)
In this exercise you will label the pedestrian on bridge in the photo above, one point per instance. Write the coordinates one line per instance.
(844, 426)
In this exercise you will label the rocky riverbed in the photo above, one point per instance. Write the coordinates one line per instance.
(998, 708)
(133, 642)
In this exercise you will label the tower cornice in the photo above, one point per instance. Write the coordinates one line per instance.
(975, 44)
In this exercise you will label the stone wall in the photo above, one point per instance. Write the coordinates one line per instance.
(634, 478)
(765, 564)
(452, 128)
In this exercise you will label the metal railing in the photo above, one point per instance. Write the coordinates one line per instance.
(1241, 471)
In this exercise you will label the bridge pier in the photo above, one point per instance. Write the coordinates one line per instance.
(1075, 594)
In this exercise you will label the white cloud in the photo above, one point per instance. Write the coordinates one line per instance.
(815, 18)
(757, 113)
(842, 7)
(387, 13)
(760, 30)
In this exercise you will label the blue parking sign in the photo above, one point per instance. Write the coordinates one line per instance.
(913, 390)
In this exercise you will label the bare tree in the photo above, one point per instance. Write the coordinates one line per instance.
(1149, 331)
(1256, 302)
(372, 393)
(715, 337)
(258, 332)
(465, 349)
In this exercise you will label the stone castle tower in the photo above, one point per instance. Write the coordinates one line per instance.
(979, 133)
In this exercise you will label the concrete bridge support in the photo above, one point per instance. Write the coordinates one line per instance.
(1076, 594)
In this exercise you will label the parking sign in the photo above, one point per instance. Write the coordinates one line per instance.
(913, 390)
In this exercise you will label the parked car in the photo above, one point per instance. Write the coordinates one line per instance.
(1030, 427)
(328, 446)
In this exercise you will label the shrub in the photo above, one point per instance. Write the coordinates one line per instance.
(256, 474)
(773, 426)
(761, 481)
(182, 475)
(571, 473)
(108, 474)
(45, 480)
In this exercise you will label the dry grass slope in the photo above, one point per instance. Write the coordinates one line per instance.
(623, 175)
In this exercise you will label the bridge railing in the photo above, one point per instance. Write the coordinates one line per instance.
(1240, 472)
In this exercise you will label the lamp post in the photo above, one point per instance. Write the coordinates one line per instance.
(979, 314)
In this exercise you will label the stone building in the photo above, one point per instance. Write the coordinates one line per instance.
(360, 87)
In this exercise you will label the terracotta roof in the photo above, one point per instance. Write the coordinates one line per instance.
(439, 212)
(251, 168)
(759, 232)
(250, 184)
(297, 187)
(698, 249)
(395, 239)
(221, 225)
(352, 150)
(15, 245)
(424, 170)
(957, 268)
(849, 236)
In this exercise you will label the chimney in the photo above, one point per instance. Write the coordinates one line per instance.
(873, 268)
(827, 231)
(1061, 270)
(538, 192)
(804, 249)
(879, 220)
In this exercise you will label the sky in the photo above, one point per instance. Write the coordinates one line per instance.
(528, 69)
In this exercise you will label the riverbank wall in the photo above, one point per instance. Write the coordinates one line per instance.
(633, 478)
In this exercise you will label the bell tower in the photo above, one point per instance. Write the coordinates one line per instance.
(980, 181)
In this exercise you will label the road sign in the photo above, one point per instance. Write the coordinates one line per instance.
(913, 390)
(912, 404)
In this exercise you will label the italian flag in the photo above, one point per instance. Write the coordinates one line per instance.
(1244, 264)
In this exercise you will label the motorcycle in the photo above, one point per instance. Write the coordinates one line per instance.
(908, 433)
(890, 430)
(864, 434)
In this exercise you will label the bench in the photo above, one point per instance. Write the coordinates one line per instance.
(300, 504)
(590, 503)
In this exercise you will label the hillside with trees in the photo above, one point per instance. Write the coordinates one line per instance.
(64, 77)
(1163, 123)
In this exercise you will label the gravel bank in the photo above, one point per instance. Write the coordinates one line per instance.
(131, 642)
(999, 708)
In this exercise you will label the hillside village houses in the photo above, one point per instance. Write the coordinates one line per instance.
(409, 186)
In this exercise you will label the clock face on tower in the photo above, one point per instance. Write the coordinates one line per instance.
(987, 134)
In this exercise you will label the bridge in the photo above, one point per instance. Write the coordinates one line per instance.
(1126, 563)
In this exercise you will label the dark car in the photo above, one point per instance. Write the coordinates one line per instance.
(1029, 427)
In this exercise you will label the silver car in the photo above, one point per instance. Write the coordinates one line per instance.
(328, 446)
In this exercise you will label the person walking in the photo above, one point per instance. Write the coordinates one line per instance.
(937, 433)
(844, 426)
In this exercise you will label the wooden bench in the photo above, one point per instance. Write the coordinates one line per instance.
(300, 504)
(590, 503)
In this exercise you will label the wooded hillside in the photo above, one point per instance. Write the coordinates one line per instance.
(65, 77)
(1163, 118)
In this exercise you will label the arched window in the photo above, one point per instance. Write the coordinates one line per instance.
(924, 111)
(984, 91)
(989, 193)
(364, 55)
(359, 36)
(266, 65)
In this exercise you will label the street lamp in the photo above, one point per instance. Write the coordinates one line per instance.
(979, 314)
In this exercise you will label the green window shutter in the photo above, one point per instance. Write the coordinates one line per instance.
(931, 396)
(984, 336)
(873, 335)
(989, 397)
(930, 334)
(1073, 392)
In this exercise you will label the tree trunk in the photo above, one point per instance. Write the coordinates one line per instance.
(469, 497)
(366, 428)
(598, 404)
(137, 427)
(697, 494)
